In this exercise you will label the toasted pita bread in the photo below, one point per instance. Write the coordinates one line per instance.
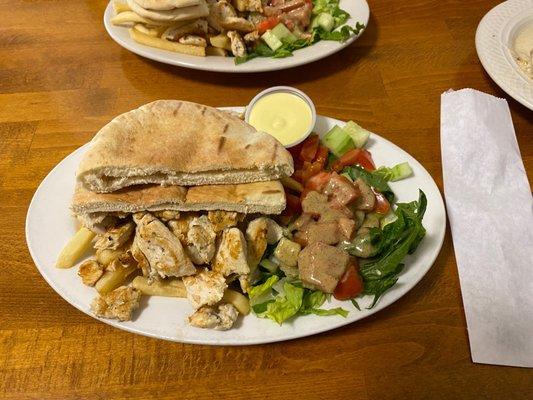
(259, 197)
(172, 142)
(176, 14)
(164, 5)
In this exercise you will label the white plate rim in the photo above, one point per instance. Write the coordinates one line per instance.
(492, 35)
(386, 300)
(301, 57)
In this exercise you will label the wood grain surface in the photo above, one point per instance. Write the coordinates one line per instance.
(62, 78)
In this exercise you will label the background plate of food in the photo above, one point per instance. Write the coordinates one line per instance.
(210, 231)
(238, 35)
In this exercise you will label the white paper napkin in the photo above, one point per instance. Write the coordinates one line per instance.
(490, 208)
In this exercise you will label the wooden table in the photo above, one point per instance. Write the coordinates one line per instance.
(62, 78)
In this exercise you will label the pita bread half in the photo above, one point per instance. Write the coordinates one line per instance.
(176, 14)
(164, 5)
(259, 197)
(171, 142)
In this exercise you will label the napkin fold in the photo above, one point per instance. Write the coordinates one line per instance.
(490, 208)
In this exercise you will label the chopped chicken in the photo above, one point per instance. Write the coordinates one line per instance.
(256, 237)
(205, 288)
(224, 219)
(220, 318)
(163, 250)
(200, 240)
(115, 237)
(237, 24)
(248, 5)
(180, 226)
(231, 255)
(193, 40)
(118, 304)
(167, 215)
(90, 271)
(238, 47)
(139, 256)
(251, 37)
(218, 12)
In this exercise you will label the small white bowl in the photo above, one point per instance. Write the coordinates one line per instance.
(285, 89)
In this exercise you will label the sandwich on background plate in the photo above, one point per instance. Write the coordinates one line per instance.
(177, 196)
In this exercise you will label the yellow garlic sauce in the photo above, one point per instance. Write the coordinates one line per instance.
(283, 115)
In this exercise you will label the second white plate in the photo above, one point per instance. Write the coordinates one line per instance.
(494, 39)
(358, 10)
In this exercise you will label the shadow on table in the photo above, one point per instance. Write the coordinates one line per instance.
(335, 63)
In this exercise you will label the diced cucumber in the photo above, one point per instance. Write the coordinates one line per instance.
(401, 171)
(283, 33)
(387, 219)
(270, 266)
(338, 141)
(359, 135)
(326, 21)
(271, 40)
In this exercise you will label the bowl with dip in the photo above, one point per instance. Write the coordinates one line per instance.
(284, 112)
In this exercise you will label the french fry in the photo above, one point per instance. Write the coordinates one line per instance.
(221, 41)
(291, 183)
(107, 256)
(130, 18)
(113, 279)
(169, 288)
(74, 249)
(154, 32)
(238, 300)
(119, 6)
(166, 44)
(216, 51)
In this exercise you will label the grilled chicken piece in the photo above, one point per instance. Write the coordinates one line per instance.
(251, 37)
(200, 240)
(248, 5)
(231, 254)
(205, 289)
(163, 250)
(238, 48)
(179, 227)
(167, 215)
(115, 237)
(218, 12)
(224, 219)
(193, 40)
(256, 238)
(118, 304)
(220, 318)
(90, 271)
(139, 256)
(237, 24)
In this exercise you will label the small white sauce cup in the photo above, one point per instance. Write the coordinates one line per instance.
(285, 89)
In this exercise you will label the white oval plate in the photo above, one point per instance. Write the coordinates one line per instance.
(358, 10)
(494, 40)
(49, 226)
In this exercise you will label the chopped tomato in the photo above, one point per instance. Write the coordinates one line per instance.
(318, 181)
(267, 24)
(350, 284)
(365, 160)
(382, 205)
(293, 202)
(322, 156)
(349, 158)
(311, 169)
(309, 148)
